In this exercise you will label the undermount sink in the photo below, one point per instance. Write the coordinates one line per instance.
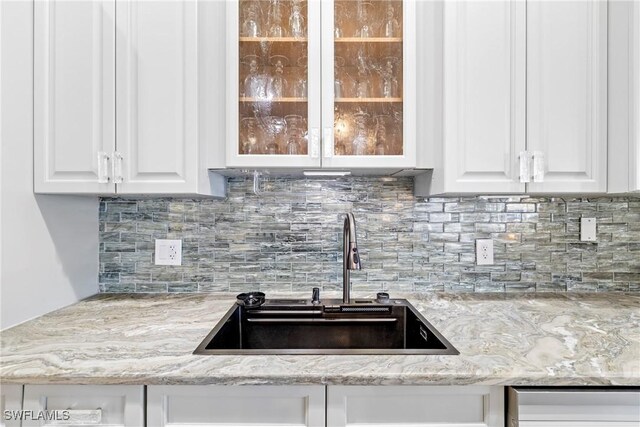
(280, 326)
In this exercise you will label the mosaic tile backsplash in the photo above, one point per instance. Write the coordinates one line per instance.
(289, 239)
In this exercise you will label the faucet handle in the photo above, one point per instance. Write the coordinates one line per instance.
(315, 297)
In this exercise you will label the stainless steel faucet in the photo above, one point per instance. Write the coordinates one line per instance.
(350, 256)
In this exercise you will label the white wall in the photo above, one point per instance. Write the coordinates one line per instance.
(48, 244)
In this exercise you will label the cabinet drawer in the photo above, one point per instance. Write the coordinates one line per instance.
(538, 407)
(235, 405)
(459, 406)
(103, 405)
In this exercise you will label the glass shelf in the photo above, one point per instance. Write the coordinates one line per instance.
(368, 40)
(369, 100)
(274, 39)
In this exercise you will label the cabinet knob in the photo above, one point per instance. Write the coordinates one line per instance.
(327, 142)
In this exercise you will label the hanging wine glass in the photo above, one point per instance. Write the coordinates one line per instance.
(296, 20)
(251, 21)
(361, 140)
(274, 19)
(277, 83)
(390, 27)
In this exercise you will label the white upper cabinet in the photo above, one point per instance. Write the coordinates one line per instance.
(117, 93)
(524, 98)
(624, 97)
(74, 91)
(326, 84)
(567, 94)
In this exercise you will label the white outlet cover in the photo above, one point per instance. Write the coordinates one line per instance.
(168, 252)
(588, 230)
(484, 252)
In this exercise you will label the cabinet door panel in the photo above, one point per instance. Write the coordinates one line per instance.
(439, 406)
(119, 405)
(235, 405)
(74, 117)
(484, 75)
(10, 400)
(157, 89)
(567, 93)
(273, 84)
(369, 84)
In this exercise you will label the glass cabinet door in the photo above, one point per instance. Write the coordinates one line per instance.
(368, 98)
(275, 59)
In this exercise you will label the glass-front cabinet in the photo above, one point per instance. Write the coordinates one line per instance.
(320, 83)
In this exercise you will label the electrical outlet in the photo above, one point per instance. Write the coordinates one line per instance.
(484, 252)
(168, 252)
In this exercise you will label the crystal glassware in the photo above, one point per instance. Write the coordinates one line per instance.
(250, 139)
(255, 83)
(251, 22)
(390, 27)
(277, 83)
(381, 147)
(293, 134)
(338, 13)
(274, 127)
(389, 80)
(363, 19)
(300, 86)
(361, 139)
(338, 83)
(296, 20)
(363, 79)
(274, 19)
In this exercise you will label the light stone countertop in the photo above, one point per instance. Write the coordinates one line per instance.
(532, 339)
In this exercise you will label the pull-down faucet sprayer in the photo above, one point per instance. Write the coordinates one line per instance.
(350, 256)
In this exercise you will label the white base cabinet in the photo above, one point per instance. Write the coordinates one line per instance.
(386, 406)
(101, 405)
(554, 407)
(11, 401)
(181, 406)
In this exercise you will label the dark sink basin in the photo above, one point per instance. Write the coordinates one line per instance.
(299, 327)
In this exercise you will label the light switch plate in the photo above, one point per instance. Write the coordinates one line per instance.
(588, 230)
(168, 252)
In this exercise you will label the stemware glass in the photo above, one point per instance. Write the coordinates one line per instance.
(274, 126)
(274, 19)
(300, 86)
(293, 134)
(251, 26)
(338, 84)
(338, 13)
(363, 18)
(361, 140)
(389, 80)
(296, 20)
(254, 83)
(381, 147)
(278, 84)
(249, 140)
(363, 79)
(390, 27)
